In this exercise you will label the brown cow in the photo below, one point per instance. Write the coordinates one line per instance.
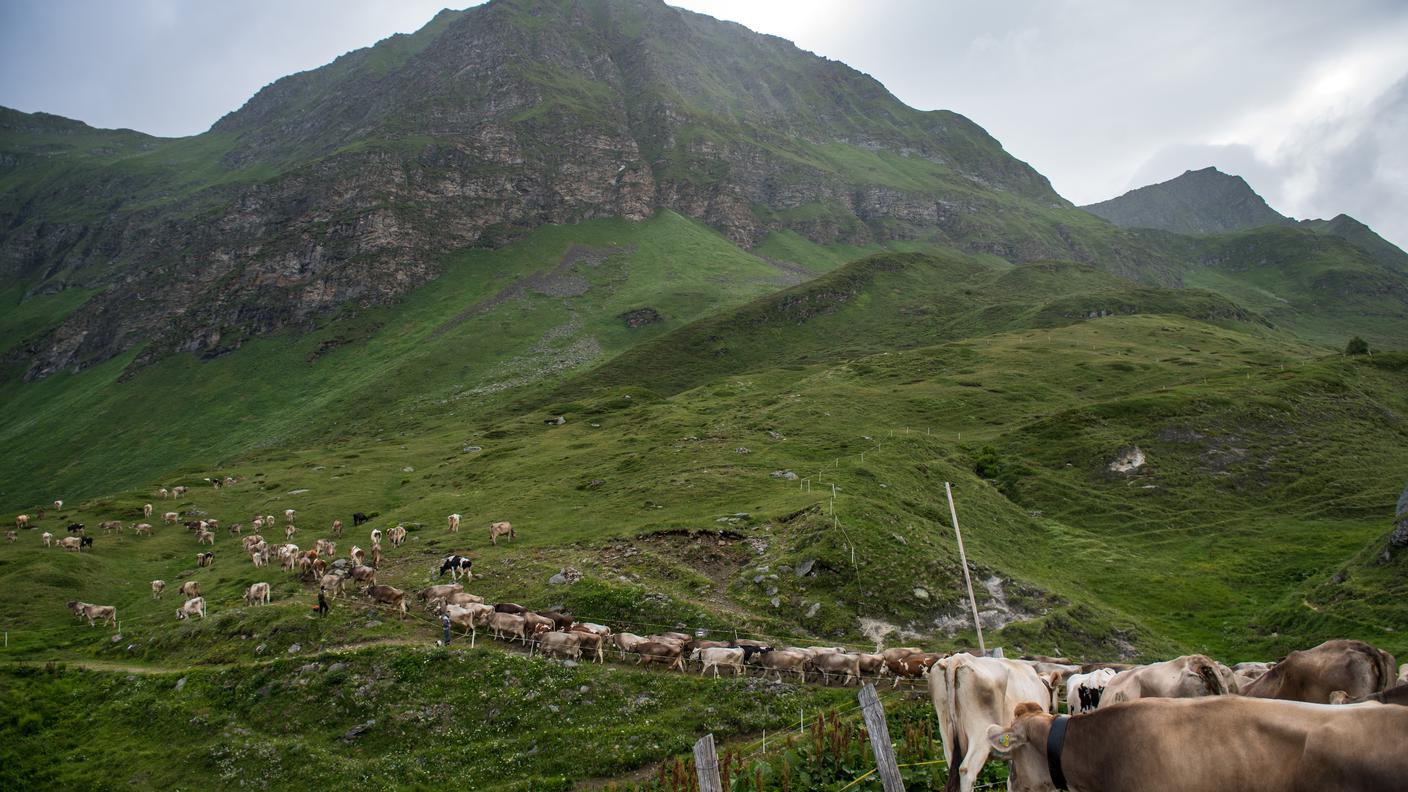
(1355, 667)
(1210, 744)
(363, 574)
(190, 589)
(500, 529)
(1182, 677)
(671, 655)
(390, 595)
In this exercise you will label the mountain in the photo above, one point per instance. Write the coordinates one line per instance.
(345, 187)
(1363, 237)
(1205, 201)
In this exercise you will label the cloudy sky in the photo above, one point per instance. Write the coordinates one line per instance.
(1306, 99)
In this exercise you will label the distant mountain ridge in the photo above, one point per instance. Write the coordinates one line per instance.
(1205, 201)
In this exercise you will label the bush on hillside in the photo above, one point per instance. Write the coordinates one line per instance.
(1357, 346)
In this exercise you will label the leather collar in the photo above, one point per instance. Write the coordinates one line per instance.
(1055, 742)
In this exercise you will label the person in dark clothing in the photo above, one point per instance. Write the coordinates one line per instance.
(322, 603)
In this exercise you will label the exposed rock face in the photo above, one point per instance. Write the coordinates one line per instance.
(1399, 536)
(345, 185)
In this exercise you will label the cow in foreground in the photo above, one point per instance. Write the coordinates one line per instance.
(1208, 744)
(388, 595)
(1355, 667)
(969, 695)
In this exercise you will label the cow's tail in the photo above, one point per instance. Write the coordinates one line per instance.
(1207, 671)
(957, 749)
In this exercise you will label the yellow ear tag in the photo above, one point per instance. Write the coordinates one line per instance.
(1005, 741)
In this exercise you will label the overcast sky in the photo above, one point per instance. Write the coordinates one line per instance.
(1308, 100)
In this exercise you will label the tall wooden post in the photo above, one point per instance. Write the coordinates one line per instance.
(879, 730)
(963, 559)
(706, 765)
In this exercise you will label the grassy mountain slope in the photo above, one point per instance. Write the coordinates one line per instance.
(1205, 201)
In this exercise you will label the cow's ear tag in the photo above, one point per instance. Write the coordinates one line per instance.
(1001, 740)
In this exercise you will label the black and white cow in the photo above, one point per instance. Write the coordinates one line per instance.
(358, 518)
(85, 541)
(456, 564)
(75, 528)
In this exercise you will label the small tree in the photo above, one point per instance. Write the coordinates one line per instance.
(1357, 346)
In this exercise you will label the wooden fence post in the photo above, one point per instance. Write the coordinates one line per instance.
(879, 730)
(706, 764)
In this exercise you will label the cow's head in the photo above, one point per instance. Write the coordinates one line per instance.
(1023, 743)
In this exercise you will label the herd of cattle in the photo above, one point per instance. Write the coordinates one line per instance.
(1331, 717)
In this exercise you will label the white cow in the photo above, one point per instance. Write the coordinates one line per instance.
(716, 656)
(191, 608)
(972, 693)
(257, 594)
(289, 513)
(1095, 680)
(48, 539)
(454, 523)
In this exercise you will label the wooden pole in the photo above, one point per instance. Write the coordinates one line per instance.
(879, 730)
(706, 765)
(963, 559)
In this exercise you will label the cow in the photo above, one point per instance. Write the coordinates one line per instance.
(671, 655)
(235, 529)
(85, 541)
(171, 518)
(779, 660)
(430, 594)
(454, 521)
(48, 539)
(1355, 667)
(913, 665)
(177, 492)
(376, 536)
(146, 510)
(257, 524)
(534, 624)
(510, 624)
(970, 694)
(358, 518)
(205, 559)
(205, 537)
(158, 588)
(1182, 677)
(593, 643)
(326, 547)
(1247, 673)
(565, 644)
(75, 528)
(1397, 695)
(191, 608)
(58, 504)
(110, 526)
(376, 554)
(715, 656)
(626, 643)
(190, 589)
(332, 584)
(69, 543)
(94, 613)
(142, 529)
(290, 530)
(269, 521)
(560, 621)
(500, 529)
(289, 514)
(337, 529)
(1206, 744)
(363, 574)
(163, 493)
(837, 663)
(22, 521)
(1083, 691)
(455, 564)
(389, 595)
(397, 535)
(469, 617)
(873, 664)
(357, 555)
(510, 607)
(257, 594)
